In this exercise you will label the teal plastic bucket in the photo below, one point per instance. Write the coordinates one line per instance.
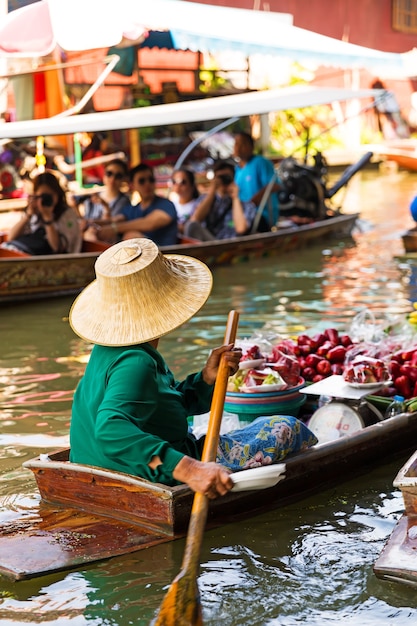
(250, 411)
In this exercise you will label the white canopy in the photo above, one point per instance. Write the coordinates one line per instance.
(84, 25)
(218, 108)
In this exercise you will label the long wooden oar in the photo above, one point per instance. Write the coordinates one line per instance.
(181, 605)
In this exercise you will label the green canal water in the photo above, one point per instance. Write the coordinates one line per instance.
(308, 563)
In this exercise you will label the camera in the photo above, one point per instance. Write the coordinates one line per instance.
(226, 178)
(46, 199)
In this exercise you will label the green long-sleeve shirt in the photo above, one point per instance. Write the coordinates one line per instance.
(128, 408)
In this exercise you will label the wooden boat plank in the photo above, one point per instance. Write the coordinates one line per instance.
(398, 559)
(58, 538)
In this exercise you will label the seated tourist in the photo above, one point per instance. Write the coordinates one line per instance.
(154, 217)
(221, 214)
(101, 208)
(185, 195)
(48, 225)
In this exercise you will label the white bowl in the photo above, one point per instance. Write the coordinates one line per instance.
(251, 364)
(258, 477)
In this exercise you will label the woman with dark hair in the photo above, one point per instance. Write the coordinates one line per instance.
(48, 225)
(185, 195)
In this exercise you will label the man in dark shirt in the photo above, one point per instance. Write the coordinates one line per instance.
(154, 217)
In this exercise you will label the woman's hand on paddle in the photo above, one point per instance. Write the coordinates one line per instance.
(210, 479)
(233, 356)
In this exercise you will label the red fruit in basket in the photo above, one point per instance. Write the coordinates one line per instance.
(410, 371)
(303, 340)
(407, 355)
(309, 373)
(325, 347)
(337, 354)
(312, 360)
(396, 357)
(394, 369)
(253, 353)
(402, 385)
(319, 339)
(346, 341)
(302, 362)
(332, 335)
(324, 367)
(286, 346)
(318, 377)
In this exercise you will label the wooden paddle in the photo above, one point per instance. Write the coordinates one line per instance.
(181, 604)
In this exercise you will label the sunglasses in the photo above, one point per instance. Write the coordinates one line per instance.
(179, 182)
(46, 199)
(117, 175)
(147, 179)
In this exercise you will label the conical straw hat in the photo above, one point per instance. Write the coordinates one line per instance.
(139, 294)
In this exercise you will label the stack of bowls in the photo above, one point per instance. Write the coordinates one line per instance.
(249, 406)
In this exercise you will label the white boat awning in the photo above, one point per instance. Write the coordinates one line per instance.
(80, 25)
(218, 108)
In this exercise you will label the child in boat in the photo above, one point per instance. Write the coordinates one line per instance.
(129, 413)
(48, 225)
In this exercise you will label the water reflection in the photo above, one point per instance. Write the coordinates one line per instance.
(306, 563)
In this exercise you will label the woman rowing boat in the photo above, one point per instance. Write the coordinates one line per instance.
(129, 413)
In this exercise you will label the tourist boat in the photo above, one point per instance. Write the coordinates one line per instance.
(398, 559)
(24, 277)
(87, 514)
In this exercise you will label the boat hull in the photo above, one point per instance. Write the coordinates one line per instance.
(410, 240)
(30, 278)
(398, 559)
(157, 513)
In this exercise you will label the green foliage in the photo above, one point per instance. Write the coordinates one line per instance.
(292, 130)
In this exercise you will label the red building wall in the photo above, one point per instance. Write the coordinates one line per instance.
(363, 22)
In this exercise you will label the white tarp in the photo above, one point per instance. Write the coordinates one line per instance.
(88, 24)
(219, 108)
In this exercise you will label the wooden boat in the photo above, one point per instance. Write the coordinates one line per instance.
(403, 152)
(24, 277)
(87, 514)
(398, 559)
(410, 241)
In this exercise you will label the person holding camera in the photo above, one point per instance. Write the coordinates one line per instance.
(221, 214)
(48, 225)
